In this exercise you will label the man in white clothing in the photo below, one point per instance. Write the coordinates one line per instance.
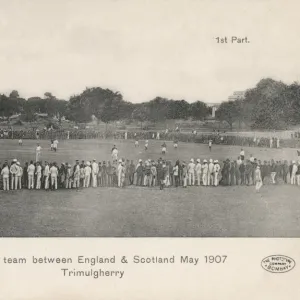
(46, 175)
(55, 145)
(216, 172)
(38, 152)
(76, 175)
(239, 161)
(210, 175)
(5, 177)
(53, 175)
(204, 172)
(19, 176)
(209, 145)
(30, 171)
(95, 170)
(87, 175)
(294, 171)
(258, 179)
(119, 172)
(114, 153)
(13, 172)
(38, 175)
(198, 171)
(191, 172)
(242, 154)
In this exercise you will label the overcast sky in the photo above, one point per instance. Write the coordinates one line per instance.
(145, 48)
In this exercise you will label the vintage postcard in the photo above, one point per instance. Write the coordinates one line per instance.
(149, 149)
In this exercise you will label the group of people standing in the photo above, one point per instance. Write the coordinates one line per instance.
(250, 171)
(162, 173)
(118, 173)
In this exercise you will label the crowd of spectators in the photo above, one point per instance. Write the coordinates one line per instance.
(197, 137)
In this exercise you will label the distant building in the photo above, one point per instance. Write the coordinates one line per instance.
(237, 95)
(214, 107)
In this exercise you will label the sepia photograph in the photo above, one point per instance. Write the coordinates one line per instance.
(145, 122)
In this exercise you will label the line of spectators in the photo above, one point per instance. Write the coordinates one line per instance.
(161, 173)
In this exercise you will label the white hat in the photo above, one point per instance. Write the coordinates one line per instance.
(88, 163)
(14, 160)
(192, 160)
(18, 163)
(258, 167)
(211, 160)
(198, 160)
(215, 161)
(69, 165)
(94, 159)
(293, 162)
(140, 160)
(120, 160)
(205, 161)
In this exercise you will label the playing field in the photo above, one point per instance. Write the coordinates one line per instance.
(140, 212)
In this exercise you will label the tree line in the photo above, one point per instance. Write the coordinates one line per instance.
(106, 105)
(270, 104)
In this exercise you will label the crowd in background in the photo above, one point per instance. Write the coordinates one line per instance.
(217, 137)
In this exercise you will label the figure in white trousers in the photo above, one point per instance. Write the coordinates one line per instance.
(38, 176)
(19, 176)
(30, 171)
(53, 175)
(95, 170)
(13, 172)
(204, 172)
(119, 170)
(210, 175)
(198, 172)
(46, 175)
(217, 169)
(258, 179)
(77, 175)
(5, 177)
(294, 171)
(191, 172)
(87, 175)
(54, 182)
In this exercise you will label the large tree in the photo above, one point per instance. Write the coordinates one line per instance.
(141, 114)
(96, 101)
(198, 110)
(229, 112)
(14, 94)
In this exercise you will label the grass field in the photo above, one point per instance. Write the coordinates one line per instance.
(142, 212)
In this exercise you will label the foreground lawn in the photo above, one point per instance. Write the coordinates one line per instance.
(143, 212)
